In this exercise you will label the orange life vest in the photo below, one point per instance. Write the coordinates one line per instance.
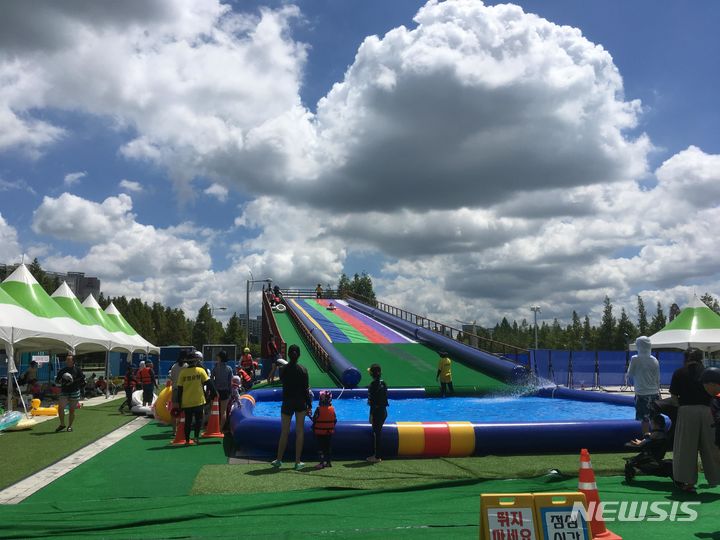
(324, 420)
(244, 375)
(144, 376)
(246, 361)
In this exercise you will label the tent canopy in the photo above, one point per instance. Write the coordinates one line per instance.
(116, 317)
(696, 326)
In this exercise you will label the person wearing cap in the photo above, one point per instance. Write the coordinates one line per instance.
(694, 432)
(191, 395)
(644, 370)
(146, 377)
(318, 291)
(378, 403)
(297, 401)
(711, 381)
(221, 376)
(444, 374)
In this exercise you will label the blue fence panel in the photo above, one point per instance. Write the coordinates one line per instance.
(541, 364)
(669, 361)
(583, 369)
(612, 366)
(560, 361)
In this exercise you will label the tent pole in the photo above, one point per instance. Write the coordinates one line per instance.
(107, 374)
(10, 353)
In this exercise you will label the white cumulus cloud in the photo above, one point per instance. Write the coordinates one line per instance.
(130, 185)
(74, 178)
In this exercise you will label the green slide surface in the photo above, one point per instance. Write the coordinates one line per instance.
(413, 365)
(318, 378)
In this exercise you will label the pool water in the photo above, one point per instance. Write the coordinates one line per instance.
(501, 409)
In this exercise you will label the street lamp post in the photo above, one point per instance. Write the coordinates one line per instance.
(536, 310)
(247, 304)
(221, 308)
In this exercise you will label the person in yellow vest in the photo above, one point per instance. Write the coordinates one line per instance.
(191, 395)
(444, 374)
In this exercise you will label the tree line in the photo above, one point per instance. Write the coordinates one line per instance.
(613, 333)
(163, 325)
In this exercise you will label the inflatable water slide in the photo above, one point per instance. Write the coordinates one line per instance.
(356, 335)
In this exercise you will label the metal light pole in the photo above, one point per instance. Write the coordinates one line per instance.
(247, 304)
(222, 308)
(536, 310)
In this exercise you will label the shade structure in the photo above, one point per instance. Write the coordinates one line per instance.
(120, 338)
(20, 327)
(116, 317)
(30, 295)
(66, 299)
(696, 326)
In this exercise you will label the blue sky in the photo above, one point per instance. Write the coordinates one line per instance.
(665, 53)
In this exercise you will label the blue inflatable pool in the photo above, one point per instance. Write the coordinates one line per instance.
(575, 420)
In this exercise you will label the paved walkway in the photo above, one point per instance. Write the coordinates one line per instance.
(23, 489)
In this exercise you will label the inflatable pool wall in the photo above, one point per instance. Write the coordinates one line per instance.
(341, 367)
(499, 368)
(257, 437)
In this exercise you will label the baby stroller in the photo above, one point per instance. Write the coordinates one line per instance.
(652, 447)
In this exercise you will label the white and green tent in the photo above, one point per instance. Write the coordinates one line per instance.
(95, 312)
(696, 326)
(29, 294)
(120, 322)
(66, 299)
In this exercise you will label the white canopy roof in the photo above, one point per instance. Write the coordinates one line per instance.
(696, 326)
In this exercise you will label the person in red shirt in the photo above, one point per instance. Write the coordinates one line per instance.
(129, 387)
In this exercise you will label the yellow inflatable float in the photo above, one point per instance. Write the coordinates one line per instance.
(37, 410)
(162, 406)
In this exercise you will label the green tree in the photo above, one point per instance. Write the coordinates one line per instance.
(606, 331)
(711, 302)
(643, 325)
(206, 328)
(674, 312)
(344, 285)
(625, 331)
(42, 278)
(235, 333)
(588, 336)
(574, 332)
(659, 320)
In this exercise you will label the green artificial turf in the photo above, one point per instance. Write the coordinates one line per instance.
(392, 474)
(23, 453)
(291, 336)
(143, 464)
(413, 365)
(447, 509)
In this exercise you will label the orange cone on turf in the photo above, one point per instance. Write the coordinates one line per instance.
(213, 426)
(180, 432)
(587, 485)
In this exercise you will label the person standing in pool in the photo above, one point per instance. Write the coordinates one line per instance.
(296, 401)
(378, 402)
(444, 374)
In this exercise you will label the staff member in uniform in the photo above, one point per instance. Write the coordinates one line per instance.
(444, 374)
(191, 395)
(71, 379)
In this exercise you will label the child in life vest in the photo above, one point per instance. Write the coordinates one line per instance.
(324, 421)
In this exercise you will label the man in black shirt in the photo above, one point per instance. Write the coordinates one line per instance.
(296, 401)
(694, 432)
(71, 380)
(378, 402)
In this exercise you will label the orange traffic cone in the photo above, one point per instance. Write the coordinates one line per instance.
(212, 430)
(587, 485)
(180, 432)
